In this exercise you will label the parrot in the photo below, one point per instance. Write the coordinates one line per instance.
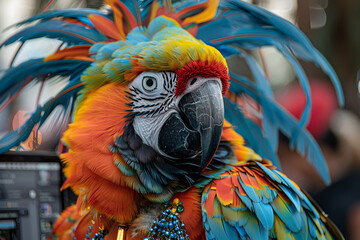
(160, 141)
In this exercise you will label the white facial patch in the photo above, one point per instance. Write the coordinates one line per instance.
(148, 128)
(153, 101)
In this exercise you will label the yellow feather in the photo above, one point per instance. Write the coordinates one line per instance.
(208, 13)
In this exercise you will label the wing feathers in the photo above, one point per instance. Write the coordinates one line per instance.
(281, 210)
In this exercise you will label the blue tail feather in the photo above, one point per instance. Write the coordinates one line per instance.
(72, 34)
(303, 141)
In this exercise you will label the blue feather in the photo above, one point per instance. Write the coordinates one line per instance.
(270, 129)
(252, 228)
(312, 228)
(77, 13)
(288, 215)
(250, 192)
(250, 131)
(226, 51)
(105, 51)
(138, 7)
(15, 77)
(72, 34)
(246, 200)
(216, 226)
(304, 232)
(304, 83)
(265, 214)
(266, 195)
(270, 173)
(138, 35)
(293, 198)
(241, 231)
(230, 231)
(304, 200)
(216, 229)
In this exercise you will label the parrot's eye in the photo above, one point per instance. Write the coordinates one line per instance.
(149, 83)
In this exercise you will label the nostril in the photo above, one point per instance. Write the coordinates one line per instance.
(193, 81)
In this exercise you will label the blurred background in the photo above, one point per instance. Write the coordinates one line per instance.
(332, 26)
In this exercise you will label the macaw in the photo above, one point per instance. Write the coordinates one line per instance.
(150, 154)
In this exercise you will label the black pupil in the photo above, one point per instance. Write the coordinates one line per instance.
(149, 82)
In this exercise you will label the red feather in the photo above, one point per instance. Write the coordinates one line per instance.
(202, 69)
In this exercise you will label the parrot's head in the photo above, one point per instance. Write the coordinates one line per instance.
(174, 85)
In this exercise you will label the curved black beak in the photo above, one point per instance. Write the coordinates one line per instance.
(204, 110)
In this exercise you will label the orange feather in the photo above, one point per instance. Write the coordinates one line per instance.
(112, 200)
(80, 52)
(83, 225)
(208, 12)
(125, 22)
(192, 215)
(90, 165)
(253, 182)
(225, 191)
(237, 184)
(107, 27)
(65, 223)
(73, 20)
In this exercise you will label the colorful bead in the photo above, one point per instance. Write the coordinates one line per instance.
(180, 209)
(169, 224)
(88, 231)
(101, 234)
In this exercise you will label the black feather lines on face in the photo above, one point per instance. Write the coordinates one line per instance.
(142, 104)
(158, 173)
